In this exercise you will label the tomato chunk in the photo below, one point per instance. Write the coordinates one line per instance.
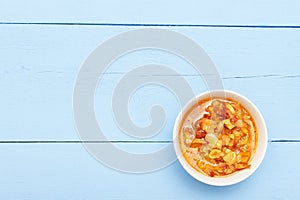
(200, 134)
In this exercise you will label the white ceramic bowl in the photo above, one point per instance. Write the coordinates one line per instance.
(261, 146)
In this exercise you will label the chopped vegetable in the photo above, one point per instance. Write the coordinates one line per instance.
(211, 138)
(230, 158)
(201, 134)
(222, 141)
(197, 143)
(215, 153)
(228, 124)
(239, 123)
(230, 108)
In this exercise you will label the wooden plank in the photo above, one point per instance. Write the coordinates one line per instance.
(67, 171)
(39, 65)
(48, 115)
(247, 12)
(62, 49)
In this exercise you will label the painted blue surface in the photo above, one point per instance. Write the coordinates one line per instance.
(268, 12)
(39, 64)
(39, 67)
(66, 171)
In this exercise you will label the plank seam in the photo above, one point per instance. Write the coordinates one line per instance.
(118, 141)
(188, 75)
(151, 25)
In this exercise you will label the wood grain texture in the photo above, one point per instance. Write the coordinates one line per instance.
(254, 45)
(67, 171)
(268, 12)
(39, 65)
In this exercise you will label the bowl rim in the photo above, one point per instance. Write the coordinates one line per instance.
(240, 175)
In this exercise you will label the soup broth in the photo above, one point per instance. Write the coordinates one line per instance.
(218, 137)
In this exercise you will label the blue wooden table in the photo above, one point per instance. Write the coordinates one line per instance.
(254, 45)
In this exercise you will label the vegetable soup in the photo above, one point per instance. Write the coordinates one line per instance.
(218, 137)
